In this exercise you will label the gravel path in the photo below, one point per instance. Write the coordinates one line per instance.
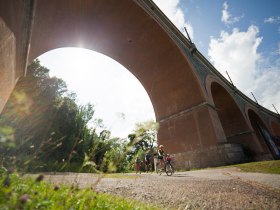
(202, 189)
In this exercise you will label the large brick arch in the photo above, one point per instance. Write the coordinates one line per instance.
(132, 38)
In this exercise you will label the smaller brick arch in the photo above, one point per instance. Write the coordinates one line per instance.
(276, 132)
(231, 117)
(208, 82)
(268, 148)
(275, 128)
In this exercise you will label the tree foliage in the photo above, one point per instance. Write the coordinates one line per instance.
(42, 128)
(144, 136)
(143, 140)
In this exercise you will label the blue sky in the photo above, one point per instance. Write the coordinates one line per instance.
(241, 37)
(237, 36)
(205, 18)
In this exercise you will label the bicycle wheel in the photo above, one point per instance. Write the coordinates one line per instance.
(169, 170)
(158, 168)
(148, 168)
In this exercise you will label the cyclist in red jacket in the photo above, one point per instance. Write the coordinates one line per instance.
(168, 158)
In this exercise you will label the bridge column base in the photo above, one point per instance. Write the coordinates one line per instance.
(213, 156)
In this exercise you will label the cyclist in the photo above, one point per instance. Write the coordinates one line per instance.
(147, 160)
(137, 165)
(160, 155)
(168, 158)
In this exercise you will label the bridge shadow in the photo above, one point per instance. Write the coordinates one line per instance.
(180, 175)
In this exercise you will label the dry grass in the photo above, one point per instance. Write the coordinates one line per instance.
(270, 167)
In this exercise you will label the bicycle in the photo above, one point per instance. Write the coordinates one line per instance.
(167, 167)
(148, 167)
(148, 164)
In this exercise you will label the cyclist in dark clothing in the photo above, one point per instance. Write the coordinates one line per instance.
(148, 161)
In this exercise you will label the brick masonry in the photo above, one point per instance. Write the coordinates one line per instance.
(224, 154)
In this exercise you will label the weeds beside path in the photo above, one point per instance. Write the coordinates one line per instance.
(270, 167)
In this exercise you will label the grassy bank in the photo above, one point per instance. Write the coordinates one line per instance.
(270, 167)
(18, 193)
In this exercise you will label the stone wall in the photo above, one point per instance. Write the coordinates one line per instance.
(224, 154)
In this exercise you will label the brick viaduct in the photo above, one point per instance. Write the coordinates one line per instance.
(204, 120)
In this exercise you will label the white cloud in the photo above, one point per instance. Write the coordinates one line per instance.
(173, 11)
(227, 18)
(267, 87)
(272, 20)
(237, 53)
(225, 13)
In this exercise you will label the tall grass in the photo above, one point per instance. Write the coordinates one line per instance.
(18, 193)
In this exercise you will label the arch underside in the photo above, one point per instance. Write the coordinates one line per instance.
(124, 32)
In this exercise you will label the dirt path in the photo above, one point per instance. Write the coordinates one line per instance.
(202, 189)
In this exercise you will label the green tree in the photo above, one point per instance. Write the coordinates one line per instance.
(28, 110)
(115, 159)
(143, 139)
(144, 136)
